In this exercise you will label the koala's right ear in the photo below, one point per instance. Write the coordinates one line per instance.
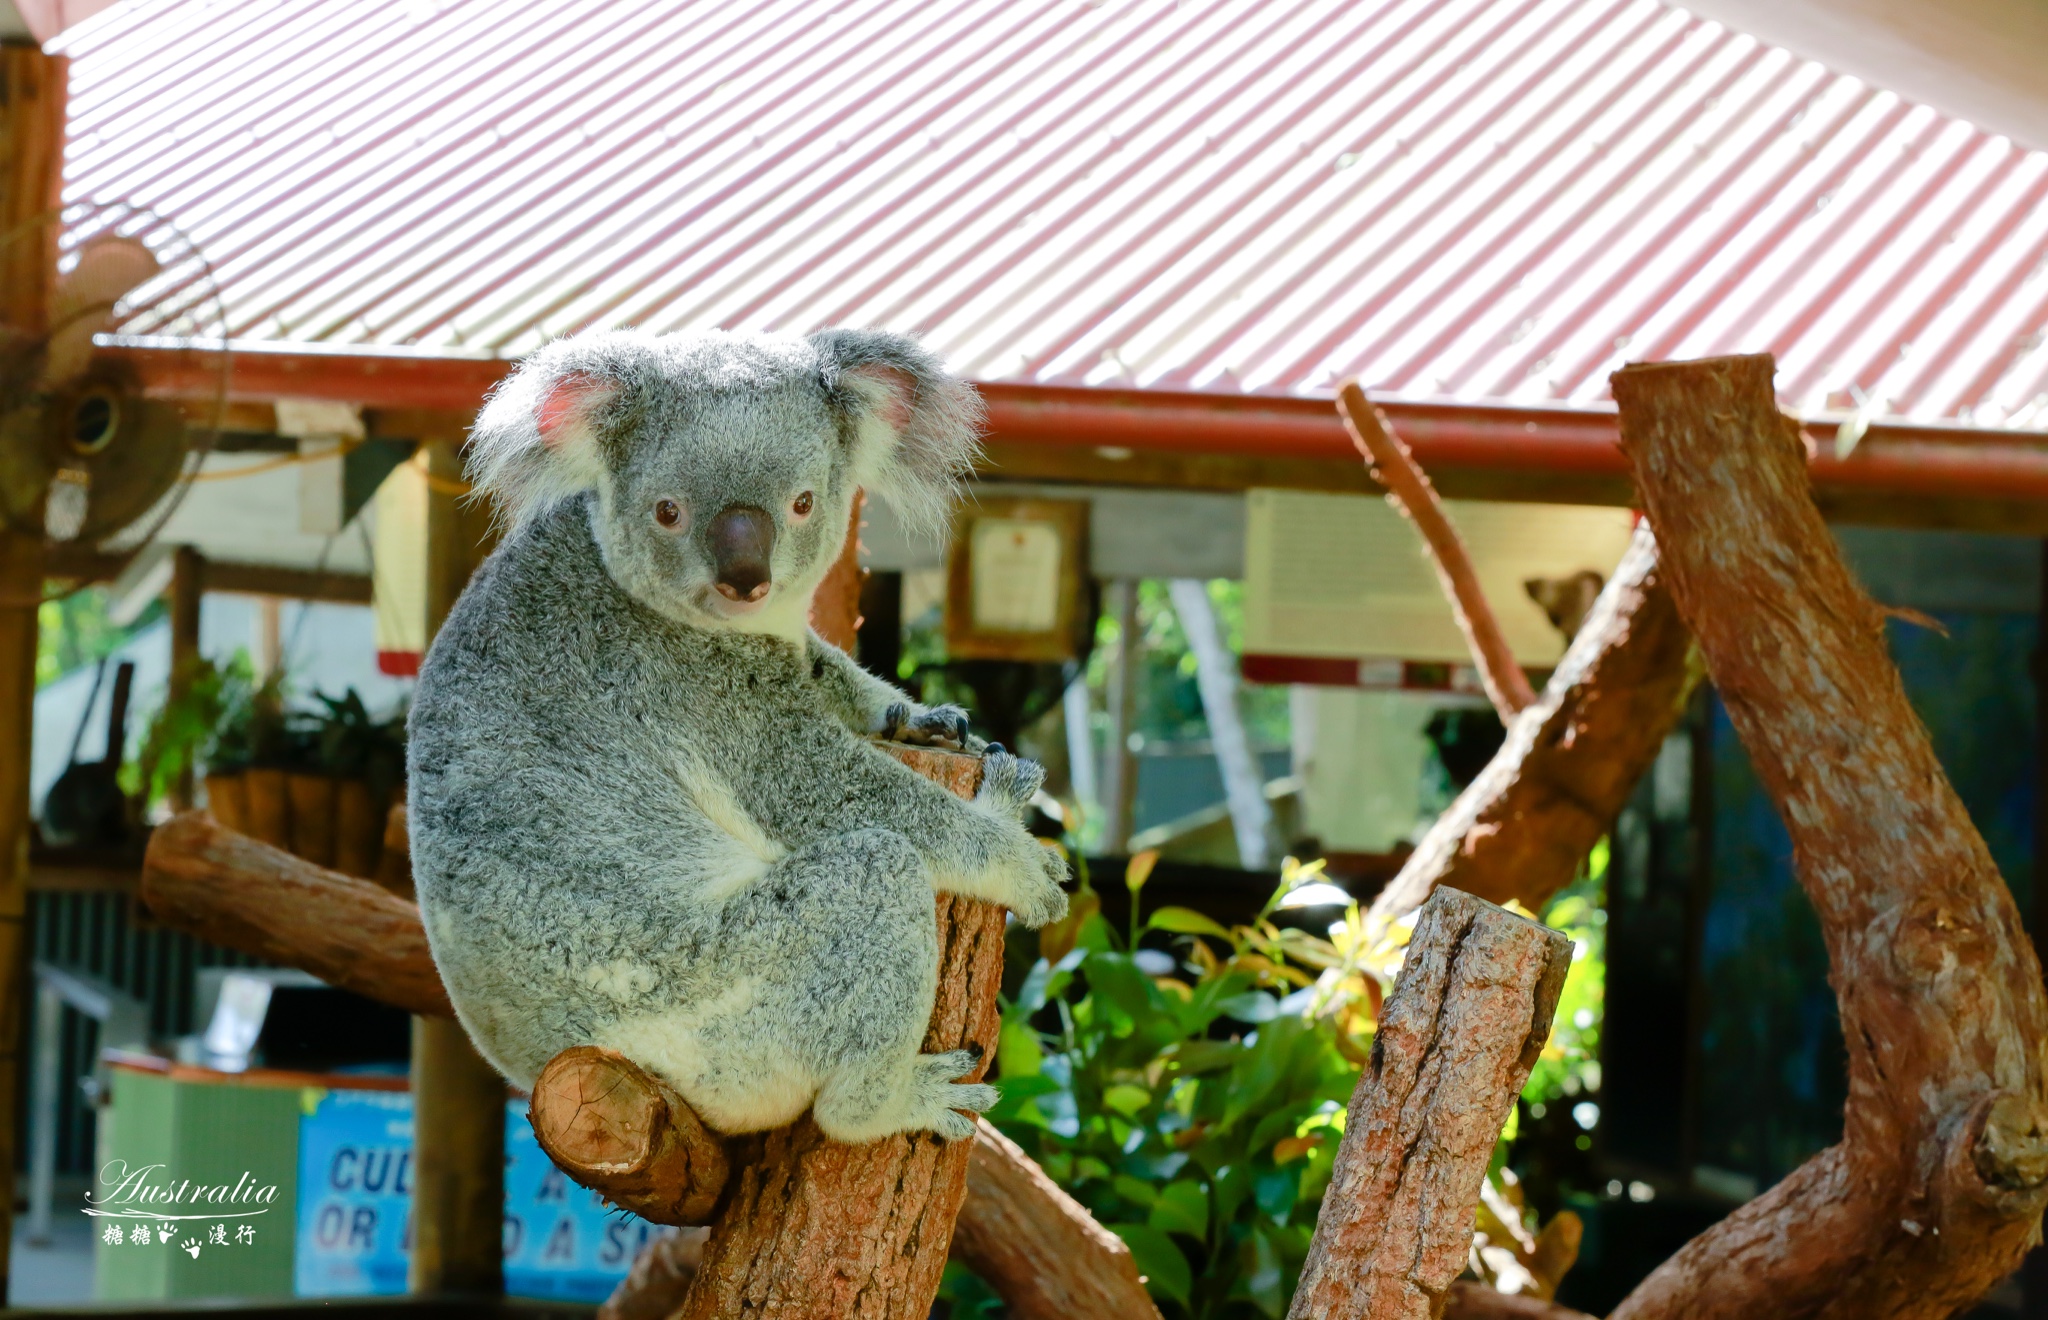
(536, 441)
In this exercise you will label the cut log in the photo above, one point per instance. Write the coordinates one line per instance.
(614, 1127)
(394, 859)
(1408, 490)
(816, 1230)
(1467, 1019)
(202, 878)
(1039, 1248)
(1520, 830)
(1938, 1184)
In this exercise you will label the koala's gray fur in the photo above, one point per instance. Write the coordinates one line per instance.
(646, 815)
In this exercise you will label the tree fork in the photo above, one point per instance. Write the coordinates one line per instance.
(1938, 1184)
(1519, 831)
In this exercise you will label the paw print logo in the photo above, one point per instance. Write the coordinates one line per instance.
(164, 1233)
(192, 1250)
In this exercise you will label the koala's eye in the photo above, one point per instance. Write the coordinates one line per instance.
(802, 507)
(668, 513)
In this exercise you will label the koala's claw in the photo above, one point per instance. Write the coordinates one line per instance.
(940, 1098)
(926, 726)
(1040, 899)
(1008, 782)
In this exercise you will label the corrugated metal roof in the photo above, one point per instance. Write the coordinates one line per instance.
(1466, 199)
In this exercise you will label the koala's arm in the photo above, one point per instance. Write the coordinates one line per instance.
(977, 847)
(875, 708)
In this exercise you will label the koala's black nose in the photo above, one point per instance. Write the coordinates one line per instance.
(742, 541)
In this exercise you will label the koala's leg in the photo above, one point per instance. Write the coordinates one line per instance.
(843, 949)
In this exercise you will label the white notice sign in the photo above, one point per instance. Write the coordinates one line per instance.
(1016, 575)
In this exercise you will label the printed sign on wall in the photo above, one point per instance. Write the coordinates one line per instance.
(355, 1201)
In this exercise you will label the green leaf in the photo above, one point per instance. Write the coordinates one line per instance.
(1165, 1270)
(1127, 1098)
(1018, 1053)
(1135, 1190)
(1275, 1191)
(1182, 1206)
(1186, 921)
(1205, 1056)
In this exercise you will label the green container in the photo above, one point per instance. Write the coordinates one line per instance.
(208, 1130)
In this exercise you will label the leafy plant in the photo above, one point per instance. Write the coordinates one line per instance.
(1187, 1082)
(1192, 1099)
(350, 743)
(183, 733)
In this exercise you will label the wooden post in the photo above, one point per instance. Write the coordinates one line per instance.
(1938, 1184)
(32, 87)
(1467, 1020)
(458, 1099)
(188, 589)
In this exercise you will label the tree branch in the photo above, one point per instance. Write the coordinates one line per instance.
(1408, 489)
(1465, 1023)
(1938, 1184)
(203, 878)
(1520, 830)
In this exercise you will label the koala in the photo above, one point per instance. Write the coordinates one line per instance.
(646, 809)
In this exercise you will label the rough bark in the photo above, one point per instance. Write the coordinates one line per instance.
(819, 1230)
(1036, 1246)
(1408, 490)
(613, 1126)
(1041, 1251)
(1520, 830)
(1939, 1181)
(200, 877)
(1476, 1301)
(1468, 1017)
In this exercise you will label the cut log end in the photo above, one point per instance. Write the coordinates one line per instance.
(624, 1133)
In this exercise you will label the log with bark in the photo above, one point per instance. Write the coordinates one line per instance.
(1466, 1021)
(1937, 1186)
(227, 888)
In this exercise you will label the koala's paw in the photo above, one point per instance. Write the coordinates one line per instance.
(926, 726)
(1008, 782)
(937, 1098)
(1040, 899)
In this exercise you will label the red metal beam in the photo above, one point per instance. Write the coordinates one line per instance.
(1897, 458)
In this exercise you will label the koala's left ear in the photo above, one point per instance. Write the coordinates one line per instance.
(535, 443)
(916, 428)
